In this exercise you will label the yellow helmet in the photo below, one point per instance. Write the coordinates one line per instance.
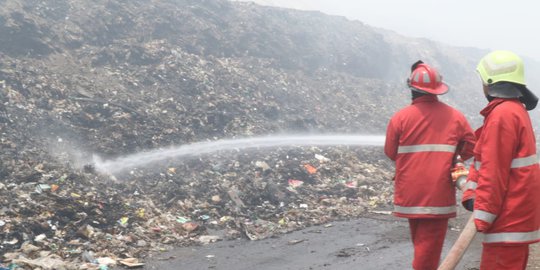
(506, 67)
(501, 66)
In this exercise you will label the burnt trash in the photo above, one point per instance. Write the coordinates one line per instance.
(81, 78)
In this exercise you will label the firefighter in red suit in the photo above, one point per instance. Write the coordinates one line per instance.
(423, 140)
(506, 191)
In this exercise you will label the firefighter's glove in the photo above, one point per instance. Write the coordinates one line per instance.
(468, 204)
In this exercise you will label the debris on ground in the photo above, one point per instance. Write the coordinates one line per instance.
(74, 88)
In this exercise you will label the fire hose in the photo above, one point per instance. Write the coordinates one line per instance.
(460, 246)
(459, 175)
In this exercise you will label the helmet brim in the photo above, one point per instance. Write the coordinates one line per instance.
(440, 90)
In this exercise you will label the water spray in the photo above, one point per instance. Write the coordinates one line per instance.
(201, 148)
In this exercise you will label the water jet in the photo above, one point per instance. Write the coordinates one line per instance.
(201, 148)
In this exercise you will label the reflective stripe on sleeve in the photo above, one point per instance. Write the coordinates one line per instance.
(509, 237)
(471, 185)
(425, 210)
(485, 216)
(426, 148)
(477, 165)
(524, 161)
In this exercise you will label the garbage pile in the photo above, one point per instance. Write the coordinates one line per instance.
(65, 216)
(112, 78)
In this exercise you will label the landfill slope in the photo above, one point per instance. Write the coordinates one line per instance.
(80, 79)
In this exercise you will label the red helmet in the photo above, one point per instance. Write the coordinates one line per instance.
(426, 79)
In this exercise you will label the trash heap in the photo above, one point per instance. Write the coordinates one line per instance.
(112, 78)
(57, 218)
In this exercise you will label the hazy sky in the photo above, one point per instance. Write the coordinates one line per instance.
(494, 24)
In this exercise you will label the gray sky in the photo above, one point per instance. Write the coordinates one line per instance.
(486, 24)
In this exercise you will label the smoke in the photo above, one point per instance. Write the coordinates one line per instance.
(68, 152)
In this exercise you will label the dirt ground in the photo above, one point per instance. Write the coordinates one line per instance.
(377, 241)
(374, 242)
(534, 257)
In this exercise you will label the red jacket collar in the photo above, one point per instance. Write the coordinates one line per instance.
(426, 98)
(494, 103)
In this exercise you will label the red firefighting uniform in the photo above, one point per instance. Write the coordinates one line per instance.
(472, 177)
(423, 139)
(507, 195)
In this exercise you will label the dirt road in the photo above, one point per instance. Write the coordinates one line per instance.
(374, 242)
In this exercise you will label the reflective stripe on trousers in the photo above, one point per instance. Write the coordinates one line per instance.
(426, 148)
(423, 210)
(512, 237)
